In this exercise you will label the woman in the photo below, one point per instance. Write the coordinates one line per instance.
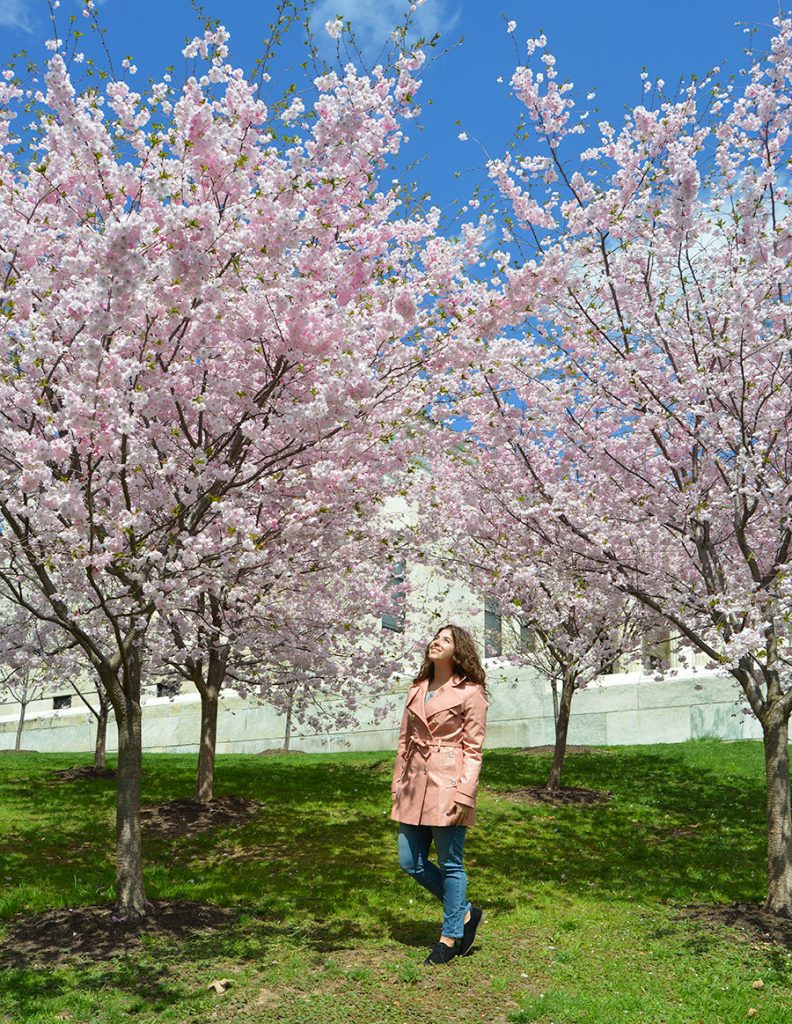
(436, 777)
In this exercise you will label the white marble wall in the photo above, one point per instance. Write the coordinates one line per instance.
(625, 709)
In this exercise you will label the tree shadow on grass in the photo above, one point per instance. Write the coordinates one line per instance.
(25, 992)
(669, 825)
(161, 963)
(68, 934)
(317, 869)
(672, 830)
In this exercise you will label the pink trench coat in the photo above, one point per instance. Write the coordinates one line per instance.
(439, 754)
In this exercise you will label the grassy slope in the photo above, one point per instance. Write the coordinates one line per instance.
(582, 925)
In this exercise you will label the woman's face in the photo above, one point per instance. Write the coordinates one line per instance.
(441, 647)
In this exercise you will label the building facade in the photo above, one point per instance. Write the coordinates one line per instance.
(629, 703)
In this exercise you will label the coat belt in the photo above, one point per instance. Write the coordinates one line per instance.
(423, 746)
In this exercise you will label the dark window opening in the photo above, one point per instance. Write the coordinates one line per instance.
(395, 620)
(493, 630)
(527, 637)
(655, 653)
(63, 701)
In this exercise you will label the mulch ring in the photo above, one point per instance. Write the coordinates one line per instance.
(757, 924)
(64, 934)
(187, 817)
(278, 750)
(83, 772)
(566, 796)
(548, 748)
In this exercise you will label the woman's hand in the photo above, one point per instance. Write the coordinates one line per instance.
(458, 814)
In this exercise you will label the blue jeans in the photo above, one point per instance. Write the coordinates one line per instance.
(446, 879)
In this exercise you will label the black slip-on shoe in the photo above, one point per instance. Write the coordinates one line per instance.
(440, 953)
(469, 935)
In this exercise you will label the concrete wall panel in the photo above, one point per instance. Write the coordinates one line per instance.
(624, 710)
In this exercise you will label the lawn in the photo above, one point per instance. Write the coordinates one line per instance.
(586, 920)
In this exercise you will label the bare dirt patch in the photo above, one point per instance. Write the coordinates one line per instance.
(83, 773)
(566, 796)
(61, 935)
(187, 817)
(278, 750)
(757, 924)
(548, 748)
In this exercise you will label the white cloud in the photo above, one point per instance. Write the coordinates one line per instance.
(24, 15)
(15, 14)
(373, 22)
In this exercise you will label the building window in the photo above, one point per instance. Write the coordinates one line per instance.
(527, 637)
(610, 655)
(395, 620)
(168, 689)
(63, 701)
(493, 635)
(655, 652)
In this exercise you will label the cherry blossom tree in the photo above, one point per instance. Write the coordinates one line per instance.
(636, 375)
(566, 621)
(196, 308)
(291, 629)
(24, 685)
(98, 706)
(30, 660)
(34, 658)
(577, 643)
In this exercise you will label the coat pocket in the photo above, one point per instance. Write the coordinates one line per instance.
(449, 764)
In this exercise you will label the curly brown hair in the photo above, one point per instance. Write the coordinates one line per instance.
(466, 657)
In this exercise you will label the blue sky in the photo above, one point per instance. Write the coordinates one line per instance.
(599, 45)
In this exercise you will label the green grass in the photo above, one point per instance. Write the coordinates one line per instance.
(583, 905)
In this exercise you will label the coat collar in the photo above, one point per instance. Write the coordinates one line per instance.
(447, 697)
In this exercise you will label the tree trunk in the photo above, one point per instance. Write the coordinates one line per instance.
(779, 819)
(101, 738)
(204, 783)
(20, 724)
(287, 736)
(209, 690)
(561, 730)
(131, 901)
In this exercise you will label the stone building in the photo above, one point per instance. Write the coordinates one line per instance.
(627, 704)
